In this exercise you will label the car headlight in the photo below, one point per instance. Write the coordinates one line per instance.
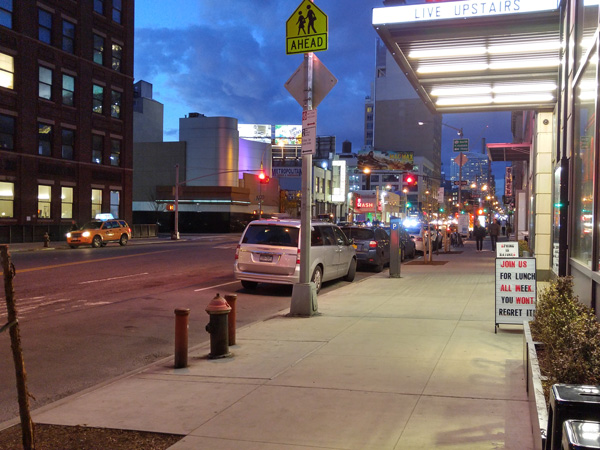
(68, 235)
(86, 234)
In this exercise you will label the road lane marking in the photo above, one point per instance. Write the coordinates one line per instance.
(215, 286)
(89, 262)
(113, 278)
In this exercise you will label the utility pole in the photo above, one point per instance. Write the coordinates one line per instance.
(175, 235)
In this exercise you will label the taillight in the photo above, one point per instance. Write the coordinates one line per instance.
(298, 257)
(373, 244)
(237, 252)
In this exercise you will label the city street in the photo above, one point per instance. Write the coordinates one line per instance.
(89, 315)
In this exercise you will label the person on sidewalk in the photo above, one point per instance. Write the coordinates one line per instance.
(478, 234)
(494, 233)
(508, 231)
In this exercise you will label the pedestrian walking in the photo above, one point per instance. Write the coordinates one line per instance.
(494, 233)
(478, 234)
(508, 231)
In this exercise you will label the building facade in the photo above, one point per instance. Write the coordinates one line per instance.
(66, 90)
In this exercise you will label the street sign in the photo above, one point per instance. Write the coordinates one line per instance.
(462, 183)
(461, 159)
(461, 145)
(309, 132)
(306, 30)
(323, 82)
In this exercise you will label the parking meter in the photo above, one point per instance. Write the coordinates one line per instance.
(395, 247)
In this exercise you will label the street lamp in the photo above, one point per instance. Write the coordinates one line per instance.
(367, 173)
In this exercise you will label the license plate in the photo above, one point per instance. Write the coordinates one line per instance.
(265, 258)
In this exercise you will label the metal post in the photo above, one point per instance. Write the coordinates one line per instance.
(175, 235)
(460, 180)
(231, 299)
(260, 199)
(181, 337)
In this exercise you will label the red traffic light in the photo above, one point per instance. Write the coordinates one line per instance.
(261, 176)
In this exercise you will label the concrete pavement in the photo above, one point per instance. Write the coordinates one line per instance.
(408, 363)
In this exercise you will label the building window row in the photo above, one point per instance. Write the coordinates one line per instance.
(44, 199)
(46, 137)
(117, 9)
(68, 34)
(45, 82)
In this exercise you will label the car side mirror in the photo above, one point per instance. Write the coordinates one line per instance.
(350, 241)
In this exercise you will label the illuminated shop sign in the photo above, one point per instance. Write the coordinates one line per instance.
(459, 10)
(360, 204)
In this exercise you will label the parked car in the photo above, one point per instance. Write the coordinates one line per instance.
(372, 246)
(269, 252)
(419, 236)
(98, 233)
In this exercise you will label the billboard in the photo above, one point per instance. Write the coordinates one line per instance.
(385, 160)
(255, 132)
(288, 134)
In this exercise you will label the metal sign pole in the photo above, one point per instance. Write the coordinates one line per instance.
(304, 295)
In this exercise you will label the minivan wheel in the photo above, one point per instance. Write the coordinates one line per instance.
(249, 284)
(123, 240)
(379, 266)
(96, 242)
(351, 271)
(317, 278)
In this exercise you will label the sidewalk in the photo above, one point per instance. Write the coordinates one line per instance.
(408, 363)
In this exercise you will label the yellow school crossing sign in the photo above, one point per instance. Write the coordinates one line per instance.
(306, 29)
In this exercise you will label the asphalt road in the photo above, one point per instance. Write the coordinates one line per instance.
(89, 315)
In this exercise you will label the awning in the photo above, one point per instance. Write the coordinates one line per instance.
(472, 56)
(508, 152)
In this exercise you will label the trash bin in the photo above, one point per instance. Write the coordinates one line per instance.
(581, 435)
(570, 401)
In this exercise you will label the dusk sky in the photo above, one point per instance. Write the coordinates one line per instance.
(227, 58)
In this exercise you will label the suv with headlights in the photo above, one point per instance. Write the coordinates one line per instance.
(98, 233)
(269, 252)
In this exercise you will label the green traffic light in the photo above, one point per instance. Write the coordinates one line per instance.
(408, 205)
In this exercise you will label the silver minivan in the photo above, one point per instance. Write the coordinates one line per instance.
(269, 252)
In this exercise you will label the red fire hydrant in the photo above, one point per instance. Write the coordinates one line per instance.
(46, 239)
(218, 310)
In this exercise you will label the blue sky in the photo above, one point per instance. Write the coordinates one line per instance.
(227, 58)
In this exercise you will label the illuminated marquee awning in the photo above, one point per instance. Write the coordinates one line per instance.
(470, 56)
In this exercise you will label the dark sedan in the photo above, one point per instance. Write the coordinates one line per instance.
(372, 246)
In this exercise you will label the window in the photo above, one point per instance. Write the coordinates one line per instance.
(117, 52)
(115, 104)
(115, 152)
(7, 132)
(44, 201)
(96, 202)
(115, 202)
(584, 110)
(98, 49)
(68, 36)
(68, 90)
(66, 202)
(44, 26)
(99, 6)
(45, 83)
(7, 71)
(97, 145)
(44, 139)
(6, 10)
(68, 139)
(116, 11)
(98, 97)
(7, 199)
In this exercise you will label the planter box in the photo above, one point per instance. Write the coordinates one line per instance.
(538, 409)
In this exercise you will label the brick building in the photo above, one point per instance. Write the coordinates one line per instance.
(66, 133)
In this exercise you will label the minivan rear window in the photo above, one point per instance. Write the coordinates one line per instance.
(272, 235)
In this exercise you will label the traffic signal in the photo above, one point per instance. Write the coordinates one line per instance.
(410, 180)
(263, 178)
(480, 211)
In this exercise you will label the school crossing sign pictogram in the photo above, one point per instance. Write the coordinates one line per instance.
(306, 30)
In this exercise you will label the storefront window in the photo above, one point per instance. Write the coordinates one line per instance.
(583, 164)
